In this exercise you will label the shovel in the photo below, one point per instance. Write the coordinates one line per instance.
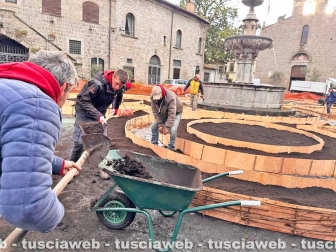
(96, 147)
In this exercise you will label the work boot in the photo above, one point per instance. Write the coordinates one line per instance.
(103, 175)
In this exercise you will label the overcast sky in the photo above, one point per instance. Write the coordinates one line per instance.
(277, 8)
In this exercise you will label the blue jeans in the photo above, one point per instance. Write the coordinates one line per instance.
(173, 132)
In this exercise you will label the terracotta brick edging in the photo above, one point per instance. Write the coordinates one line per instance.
(286, 172)
(256, 146)
(318, 223)
(273, 215)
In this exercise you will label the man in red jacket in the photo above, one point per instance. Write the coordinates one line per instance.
(92, 103)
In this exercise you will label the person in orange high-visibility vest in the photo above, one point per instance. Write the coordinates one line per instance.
(196, 87)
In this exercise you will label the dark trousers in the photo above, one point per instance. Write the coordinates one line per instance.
(77, 151)
(328, 107)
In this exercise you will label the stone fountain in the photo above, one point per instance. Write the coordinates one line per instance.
(242, 96)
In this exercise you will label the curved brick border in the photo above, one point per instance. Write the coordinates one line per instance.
(286, 172)
(272, 215)
(256, 146)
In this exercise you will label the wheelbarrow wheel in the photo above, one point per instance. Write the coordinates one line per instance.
(119, 219)
(167, 213)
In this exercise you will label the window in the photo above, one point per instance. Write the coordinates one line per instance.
(176, 73)
(231, 67)
(90, 12)
(197, 70)
(98, 62)
(129, 27)
(221, 69)
(11, 1)
(178, 39)
(177, 69)
(199, 45)
(206, 77)
(177, 63)
(154, 70)
(52, 7)
(304, 36)
(75, 47)
(129, 61)
(164, 40)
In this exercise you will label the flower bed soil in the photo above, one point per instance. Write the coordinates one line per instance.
(315, 196)
(254, 134)
(327, 152)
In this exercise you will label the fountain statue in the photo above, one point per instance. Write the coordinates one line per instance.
(242, 95)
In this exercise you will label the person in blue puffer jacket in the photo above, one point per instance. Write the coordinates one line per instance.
(331, 98)
(30, 121)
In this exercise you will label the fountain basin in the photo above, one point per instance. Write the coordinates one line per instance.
(243, 95)
(245, 99)
(252, 42)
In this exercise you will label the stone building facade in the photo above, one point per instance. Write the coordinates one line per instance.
(153, 39)
(303, 46)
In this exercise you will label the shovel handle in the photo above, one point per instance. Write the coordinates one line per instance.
(110, 116)
(18, 234)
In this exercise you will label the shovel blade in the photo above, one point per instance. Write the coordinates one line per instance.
(97, 145)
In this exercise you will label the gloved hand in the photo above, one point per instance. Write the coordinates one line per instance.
(102, 120)
(128, 85)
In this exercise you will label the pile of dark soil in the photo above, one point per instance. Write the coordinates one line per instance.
(128, 166)
(327, 152)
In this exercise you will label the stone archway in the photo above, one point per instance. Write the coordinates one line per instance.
(12, 51)
(154, 70)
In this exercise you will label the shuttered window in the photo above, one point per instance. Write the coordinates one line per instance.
(90, 12)
(52, 7)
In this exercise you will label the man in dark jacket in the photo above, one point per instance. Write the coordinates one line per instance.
(331, 98)
(196, 87)
(167, 110)
(30, 122)
(92, 103)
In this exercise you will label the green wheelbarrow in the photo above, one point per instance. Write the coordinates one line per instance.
(171, 190)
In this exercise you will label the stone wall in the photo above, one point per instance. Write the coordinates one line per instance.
(148, 41)
(286, 37)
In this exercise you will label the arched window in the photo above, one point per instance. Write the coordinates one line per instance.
(129, 27)
(199, 45)
(90, 12)
(304, 36)
(178, 39)
(52, 7)
(154, 70)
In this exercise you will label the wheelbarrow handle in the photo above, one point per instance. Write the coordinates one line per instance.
(250, 203)
(18, 234)
(222, 175)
